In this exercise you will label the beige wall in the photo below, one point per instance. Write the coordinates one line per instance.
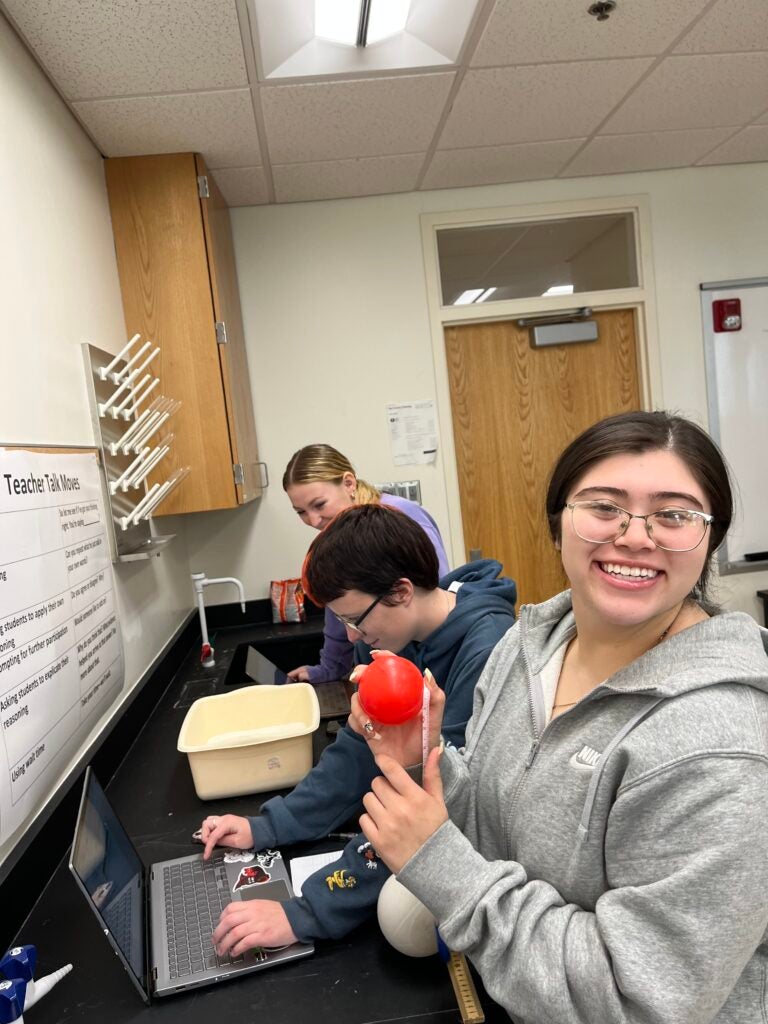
(58, 288)
(336, 317)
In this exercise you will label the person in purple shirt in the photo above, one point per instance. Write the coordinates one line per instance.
(321, 482)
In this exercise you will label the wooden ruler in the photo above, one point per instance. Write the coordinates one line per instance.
(466, 993)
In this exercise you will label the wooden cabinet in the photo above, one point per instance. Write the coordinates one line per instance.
(177, 275)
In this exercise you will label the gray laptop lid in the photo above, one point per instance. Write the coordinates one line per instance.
(130, 902)
(111, 876)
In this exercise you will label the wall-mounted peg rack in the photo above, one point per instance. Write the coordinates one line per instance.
(132, 432)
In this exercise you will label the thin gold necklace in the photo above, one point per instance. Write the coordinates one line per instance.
(662, 636)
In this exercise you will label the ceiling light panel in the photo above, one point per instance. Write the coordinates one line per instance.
(468, 296)
(297, 39)
(337, 20)
(387, 18)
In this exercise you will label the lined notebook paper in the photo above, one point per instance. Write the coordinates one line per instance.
(303, 867)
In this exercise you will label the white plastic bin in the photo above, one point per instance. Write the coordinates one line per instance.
(253, 739)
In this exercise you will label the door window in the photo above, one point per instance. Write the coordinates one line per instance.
(497, 262)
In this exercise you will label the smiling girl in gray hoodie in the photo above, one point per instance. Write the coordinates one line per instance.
(599, 849)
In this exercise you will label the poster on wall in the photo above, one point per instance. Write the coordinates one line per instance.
(61, 655)
(412, 432)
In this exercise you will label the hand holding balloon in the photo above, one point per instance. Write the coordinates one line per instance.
(403, 742)
(390, 690)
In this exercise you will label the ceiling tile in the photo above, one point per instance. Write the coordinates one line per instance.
(521, 32)
(614, 154)
(371, 117)
(696, 92)
(220, 125)
(338, 179)
(100, 48)
(731, 26)
(499, 106)
(748, 146)
(492, 165)
(242, 186)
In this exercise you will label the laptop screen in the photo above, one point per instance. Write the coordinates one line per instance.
(111, 875)
(261, 670)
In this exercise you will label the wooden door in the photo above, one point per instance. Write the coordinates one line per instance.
(514, 410)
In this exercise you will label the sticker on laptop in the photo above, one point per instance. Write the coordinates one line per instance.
(252, 874)
(239, 856)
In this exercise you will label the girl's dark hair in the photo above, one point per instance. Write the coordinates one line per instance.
(368, 548)
(637, 432)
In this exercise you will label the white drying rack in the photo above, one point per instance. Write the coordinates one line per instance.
(131, 430)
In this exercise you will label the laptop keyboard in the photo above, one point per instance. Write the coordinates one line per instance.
(196, 892)
(119, 917)
(333, 699)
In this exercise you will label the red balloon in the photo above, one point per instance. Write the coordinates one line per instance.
(390, 690)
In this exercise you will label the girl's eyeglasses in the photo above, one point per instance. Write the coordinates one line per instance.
(673, 529)
(354, 624)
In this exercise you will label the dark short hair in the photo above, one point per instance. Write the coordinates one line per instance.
(633, 433)
(368, 548)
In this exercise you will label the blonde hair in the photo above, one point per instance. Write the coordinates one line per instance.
(321, 462)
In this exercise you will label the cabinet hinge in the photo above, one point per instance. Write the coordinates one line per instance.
(237, 469)
(202, 186)
(221, 332)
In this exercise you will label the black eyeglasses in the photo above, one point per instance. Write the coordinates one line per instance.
(354, 624)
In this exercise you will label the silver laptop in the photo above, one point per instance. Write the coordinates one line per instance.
(159, 920)
(333, 696)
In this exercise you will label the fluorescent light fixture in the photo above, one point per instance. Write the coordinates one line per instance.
(468, 296)
(486, 295)
(559, 289)
(387, 18)
(337, 20)
(314, 38)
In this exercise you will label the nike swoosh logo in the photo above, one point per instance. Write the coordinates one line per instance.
(586, 760)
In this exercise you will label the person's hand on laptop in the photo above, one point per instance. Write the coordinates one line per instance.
(300, 674)
(250, 924)
(225, 830)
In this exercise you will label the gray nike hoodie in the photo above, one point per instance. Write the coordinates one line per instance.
(612, 868)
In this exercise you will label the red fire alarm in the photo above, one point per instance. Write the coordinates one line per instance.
(726, 314)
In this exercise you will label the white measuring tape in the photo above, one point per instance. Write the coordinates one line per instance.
(424, 728)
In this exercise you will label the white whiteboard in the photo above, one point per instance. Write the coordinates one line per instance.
(737, 388)
(61, 656)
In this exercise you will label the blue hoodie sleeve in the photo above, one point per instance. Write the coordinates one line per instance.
(460, 693)
(466, 669)
(330, 794)
(339, 896)
(336, 655)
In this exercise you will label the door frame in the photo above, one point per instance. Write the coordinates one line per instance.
(641, 299)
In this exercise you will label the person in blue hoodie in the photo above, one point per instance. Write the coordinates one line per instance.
(377, 572)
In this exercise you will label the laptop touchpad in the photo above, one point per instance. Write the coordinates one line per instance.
(274, 890)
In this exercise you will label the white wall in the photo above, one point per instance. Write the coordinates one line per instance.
(58, 288)
(335, 309)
